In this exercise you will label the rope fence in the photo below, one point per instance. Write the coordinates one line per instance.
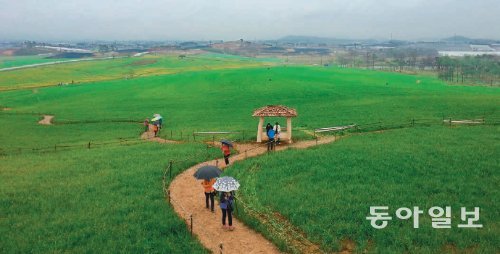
(242, 135)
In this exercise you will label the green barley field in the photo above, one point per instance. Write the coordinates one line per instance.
(109, 197)
(423, 166)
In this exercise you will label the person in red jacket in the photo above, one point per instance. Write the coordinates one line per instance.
(227, 153)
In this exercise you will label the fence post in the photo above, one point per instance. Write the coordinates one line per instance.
(413, 122)
(246, 155)
(171, 134)
(168, 193)
(213, 139)
(88, 146)
(243, 133)
(450, 121)
(170, 169)
(194, 137)
(191, 218)
(221, 247)
(55, 147)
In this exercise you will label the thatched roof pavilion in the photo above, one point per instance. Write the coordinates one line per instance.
(275, 111)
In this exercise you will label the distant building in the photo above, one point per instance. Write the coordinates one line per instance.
(482, 48)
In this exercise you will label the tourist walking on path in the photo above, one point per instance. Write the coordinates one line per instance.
(209, 192)
(146, 125)
(270, 142)
(227, 152)
(226, 205)
(155, 129)
(277, 132)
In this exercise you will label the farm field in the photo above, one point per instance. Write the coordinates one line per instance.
(329, 199)
(111, 197)
(14, 61)
(112, 69)
(199, 101)
(107, 198)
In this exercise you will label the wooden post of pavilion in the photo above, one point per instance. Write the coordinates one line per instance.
(259, 129)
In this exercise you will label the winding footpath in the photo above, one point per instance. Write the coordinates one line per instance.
(149, 135)
(188, 200)
(47, 120)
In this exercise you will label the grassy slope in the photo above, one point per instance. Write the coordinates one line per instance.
(423, 167)
(198, 100)
(119, 68)
(106, 199)
(13, 61)
(224, 100)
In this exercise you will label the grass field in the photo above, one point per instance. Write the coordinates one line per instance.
(14, 61)
(108, 199)
(199, 101)
(425, 167)
(118, 68)
(215, 93)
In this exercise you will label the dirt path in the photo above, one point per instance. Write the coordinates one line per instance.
(150, 136)
(188, 200)
(47, 120)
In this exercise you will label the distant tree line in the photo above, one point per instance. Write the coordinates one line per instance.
(484, 69)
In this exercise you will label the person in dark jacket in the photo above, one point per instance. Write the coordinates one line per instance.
(270, 142)
(226, 205)
(268, 127)
(227, 152)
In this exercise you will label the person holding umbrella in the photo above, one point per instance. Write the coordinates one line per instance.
(226, 205)
(208, 175)
(226, 185)
(209, 192)
(225, 150)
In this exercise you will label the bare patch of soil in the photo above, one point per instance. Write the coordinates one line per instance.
(47, 120)
(150, 136)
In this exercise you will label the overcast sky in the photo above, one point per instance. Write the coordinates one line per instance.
(250, 19)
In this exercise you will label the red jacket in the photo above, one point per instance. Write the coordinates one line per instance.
(225, 150)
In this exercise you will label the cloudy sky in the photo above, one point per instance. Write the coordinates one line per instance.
(250, 19)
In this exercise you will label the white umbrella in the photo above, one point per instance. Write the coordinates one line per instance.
(226, 184)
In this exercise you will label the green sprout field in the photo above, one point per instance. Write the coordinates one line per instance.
(56, 195)
(423, 166)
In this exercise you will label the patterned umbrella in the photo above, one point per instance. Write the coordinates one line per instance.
(226, 184)
(207, 172)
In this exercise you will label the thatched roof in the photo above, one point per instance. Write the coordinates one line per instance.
(275, 110)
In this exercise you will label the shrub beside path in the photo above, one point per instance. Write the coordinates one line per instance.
(187, 198)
